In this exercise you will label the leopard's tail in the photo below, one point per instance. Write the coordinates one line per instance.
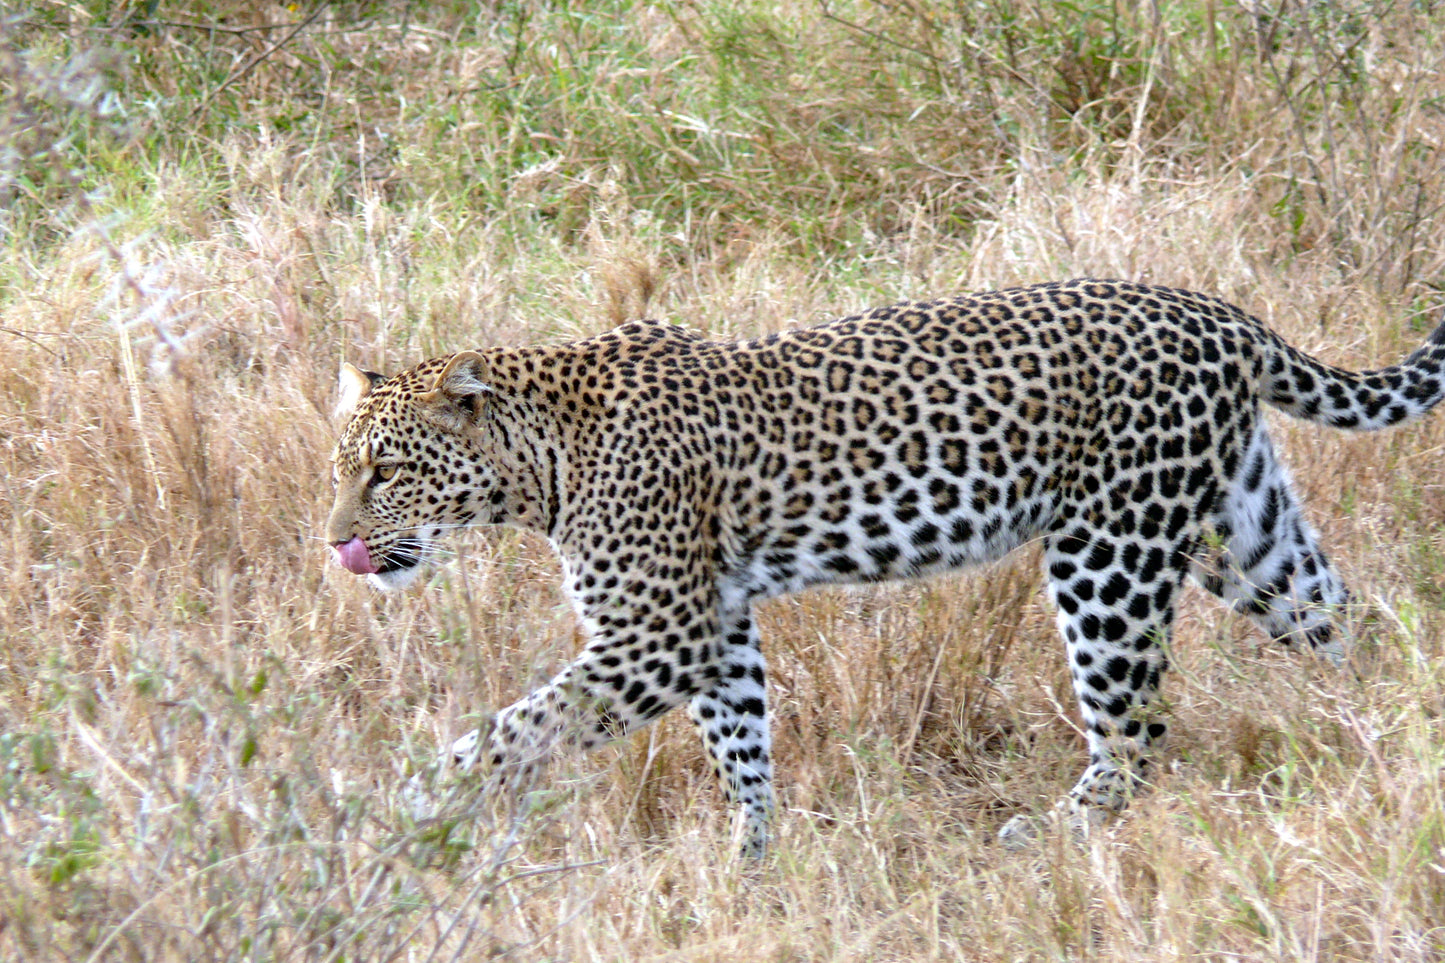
(1357, 400)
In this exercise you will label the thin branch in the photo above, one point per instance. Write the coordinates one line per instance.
(940, 62)
(26, 337)
(207, 27)
(256, 61)
(936, 60)
(356, 26)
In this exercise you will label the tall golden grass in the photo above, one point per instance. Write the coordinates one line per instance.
(203, 727)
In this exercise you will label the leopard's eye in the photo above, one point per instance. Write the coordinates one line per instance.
(384, 473)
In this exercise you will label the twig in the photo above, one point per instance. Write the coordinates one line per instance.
(356, 26)
(207, 27)
(25, 337)
(928, 55)
(938, 62)
(256, 61)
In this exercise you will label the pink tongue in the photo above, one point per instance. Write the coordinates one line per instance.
(354, 557)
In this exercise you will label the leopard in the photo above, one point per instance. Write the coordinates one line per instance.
(680, 479)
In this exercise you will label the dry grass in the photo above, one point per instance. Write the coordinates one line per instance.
(202, 726)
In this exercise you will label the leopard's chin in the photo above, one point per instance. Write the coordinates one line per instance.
(396, 579)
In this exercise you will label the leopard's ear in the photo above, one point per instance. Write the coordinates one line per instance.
(459, 391)
(354, 385)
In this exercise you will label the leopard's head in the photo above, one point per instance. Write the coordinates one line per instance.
(414, 460)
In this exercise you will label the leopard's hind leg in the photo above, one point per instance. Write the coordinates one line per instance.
(1268, 563)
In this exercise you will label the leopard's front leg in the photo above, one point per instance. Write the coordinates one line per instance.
(587, 704)
(732, 718)
(639, 664)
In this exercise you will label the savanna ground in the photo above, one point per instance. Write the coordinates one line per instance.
(205, 207)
